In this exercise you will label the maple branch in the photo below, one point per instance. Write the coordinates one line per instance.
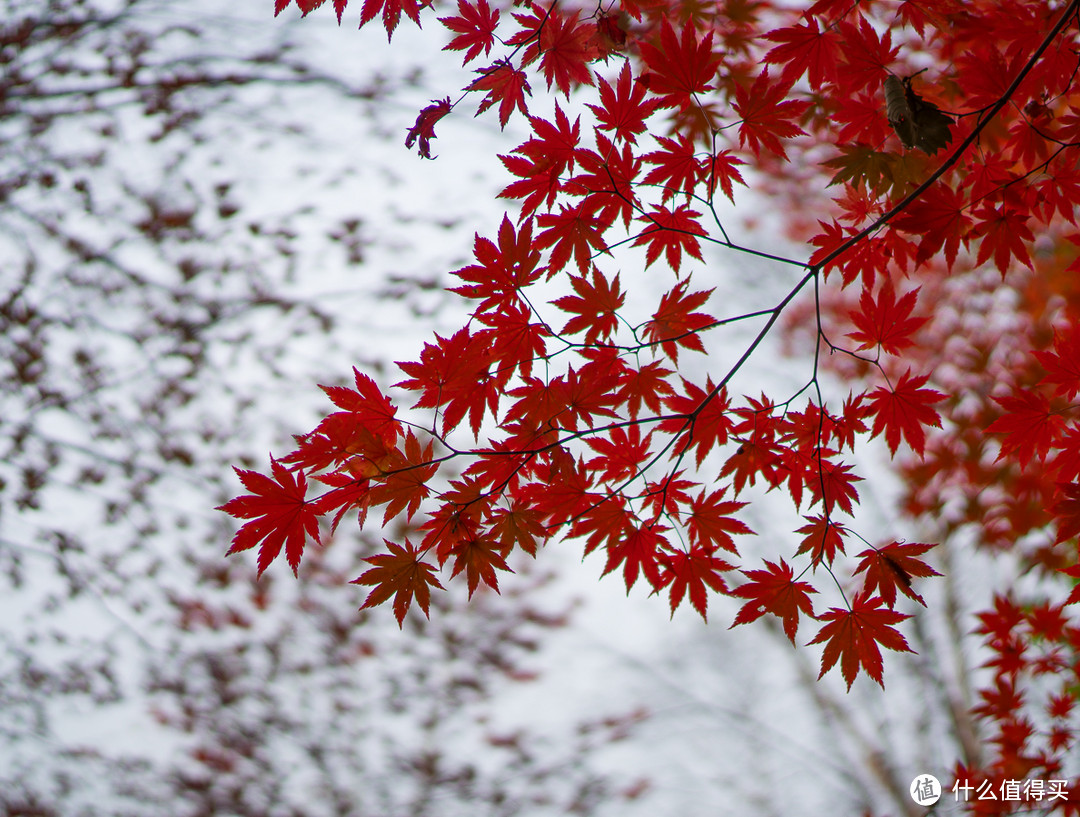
(774, 315)
(688, 333)
(826, 510)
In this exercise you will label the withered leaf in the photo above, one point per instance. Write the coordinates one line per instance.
(917, 122)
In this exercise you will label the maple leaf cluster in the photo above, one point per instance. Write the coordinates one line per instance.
(986, 238)
(582, 427)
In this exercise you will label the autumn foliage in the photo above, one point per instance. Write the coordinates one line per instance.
(938, 282)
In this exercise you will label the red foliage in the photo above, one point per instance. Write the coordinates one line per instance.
(589, 429)
(903, 411)
(892, 567)
(853, 636)
(475, 27)
(279, 514)
(775, 591)
(401, 574)
(505, 85)
(680, 66)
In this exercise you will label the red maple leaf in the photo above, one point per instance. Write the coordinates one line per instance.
(594, 307)
(1067, 512)
(564, 47)
(604, 522)
(607, 181)
(1000, 622)
(918, 14)
(588, 392)
(806, 431)
(710, 522)
(679, 68)
(853, 636)
(543, 158)
(822, 539)
(502, 270)
(678, 167)
(504, 84)
(638, 551)
(518, 526)
(308, 6)
(539, 180)
(501, 466)
(572, 231)
(891, 568)
(366, 430)
(1004, 232)
(645, 386)
(622, 453)
(844, 430)
(667, 496)
(940, 217)
(1059, 193)
(863, 121)
(475, 27)
(805, 49)
(674, 325)
(349, 492)
(866, 55)
(458, 519)
(1065, 464)
(775, 591)
(402, 485)
(884, 321)
(766, 117)
(536, 409)
(903, 411)
(454, 372)
(342, 437)
(278, 512)
(624, 109)
(833, 236)
(479, 559)
(831, 483)
(366, 405)
(1029, 424)
(722, 168)
(562, 494)
(671, 231)
(696, 571)
(516, 341)
(401, 573)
